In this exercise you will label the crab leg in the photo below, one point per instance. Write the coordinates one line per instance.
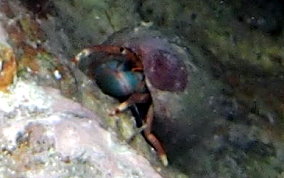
(152, 138)
(110, 49)
(133, 99)
(143, 98)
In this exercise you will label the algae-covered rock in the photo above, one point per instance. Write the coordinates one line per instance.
(223, 28)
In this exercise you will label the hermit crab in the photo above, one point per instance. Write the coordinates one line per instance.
(138, 66)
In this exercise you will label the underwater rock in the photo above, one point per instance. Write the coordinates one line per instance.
(46, 134)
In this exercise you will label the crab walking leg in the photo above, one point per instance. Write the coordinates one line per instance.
(133, 99)
(143, 98)
(110, 49)
(152, 138)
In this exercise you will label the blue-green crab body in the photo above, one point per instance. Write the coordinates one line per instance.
(116, 79)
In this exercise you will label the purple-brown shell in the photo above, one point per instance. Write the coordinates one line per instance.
(163, 65)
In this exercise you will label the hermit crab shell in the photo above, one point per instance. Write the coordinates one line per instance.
(166, 67)
(162, 60)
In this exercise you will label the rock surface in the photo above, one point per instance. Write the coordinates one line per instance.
(44, 134)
